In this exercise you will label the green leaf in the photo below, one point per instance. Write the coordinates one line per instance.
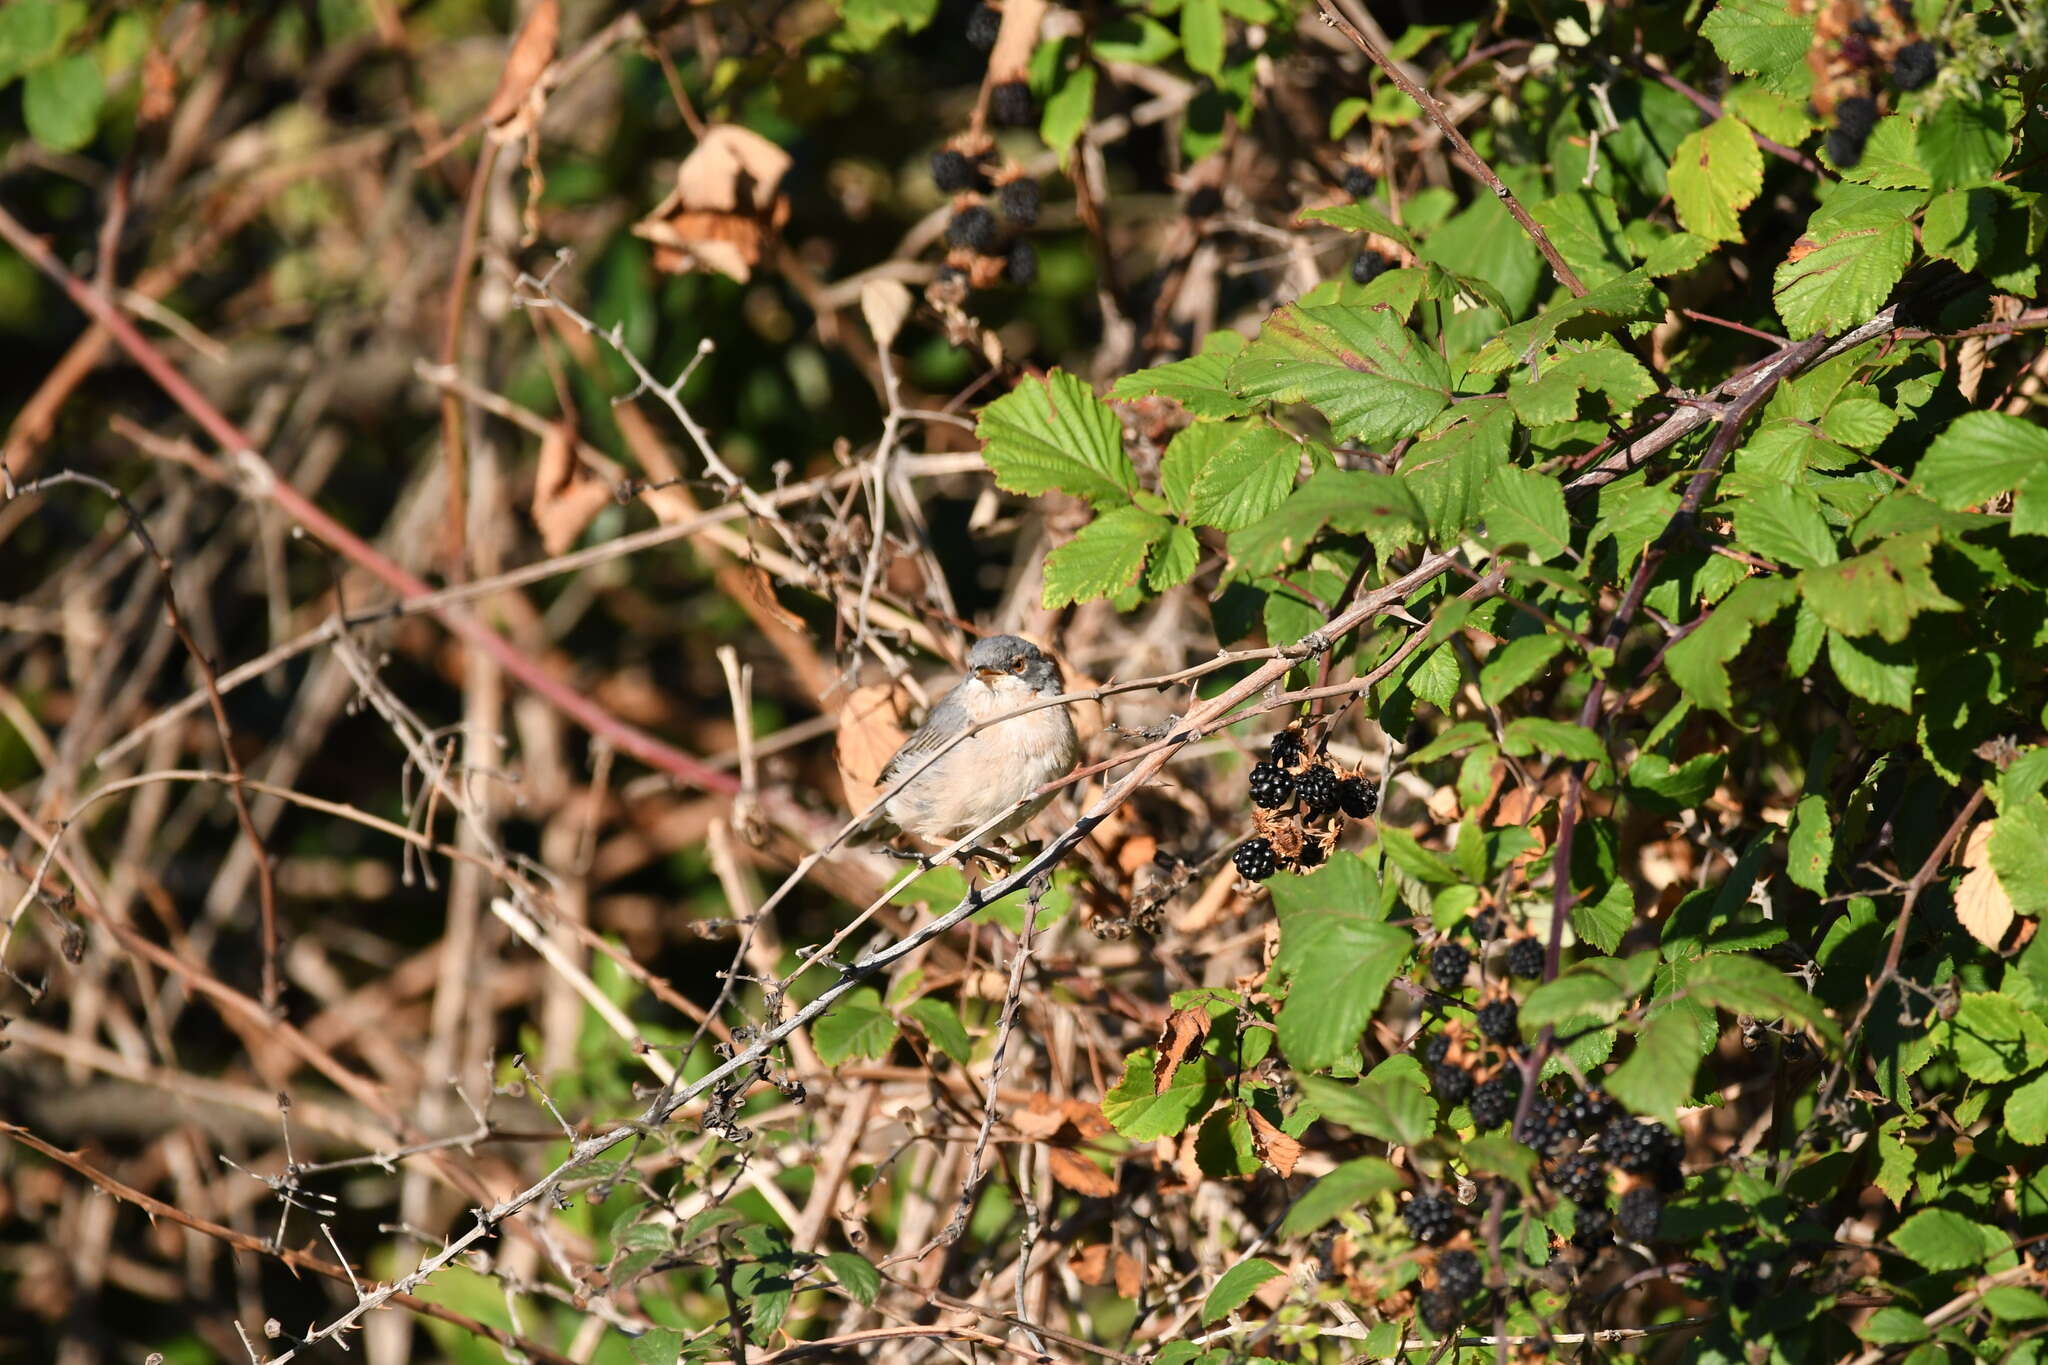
(1338, 962)
(1997, 1040)
(1960, 226)
(1371, 377)
(2026, 1112)
(1068, 110)
(1350, 501)
(1983, 454)
(1715, 174)
(1891, 157)
(1201, 35)
(1657, 1076)
(857, 1026)
(1962, 142)
(1845, 267)
(1875, 673)
(1747, 985)
(1354, 1182)
(1135, 38)
(1602, 309)
(1054, 433)
(1943, 1240)
(941, 1024)
(2019, 854)
(1393, 1104)
(1103, 558)
(1893, 1326)
(1516, 663)
(2015, 1303)
(1246, 478)
(1578, 993)
(656, 1346)
(32, 31)
(1133, 1110)
(870, 22)
(1879, 591)
(1662, 787)
(1196, 383)
(60, 102)
(1448, 473)
(1812, 848)
(1783, 523)
(1235, 1287)
(1525, 508)
(1860, 423)
(1597, 368)
(1780, 119)
(1528, 734)
(1361, 218)
(1765, 39)
(1173, 559)
(855, 1275)
(1586, 230)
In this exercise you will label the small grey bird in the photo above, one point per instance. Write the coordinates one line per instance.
(993, 769)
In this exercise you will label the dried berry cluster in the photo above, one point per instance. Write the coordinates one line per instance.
(986, 243)
(1300, 803)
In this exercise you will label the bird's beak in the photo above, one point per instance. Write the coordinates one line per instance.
(988, 675)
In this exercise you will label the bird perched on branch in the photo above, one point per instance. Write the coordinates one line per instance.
(993, 773)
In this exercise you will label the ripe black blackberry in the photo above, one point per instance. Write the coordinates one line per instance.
(1439, 1310)
(1453, 1084)
(1497, 1021)
(1593, 1233)
(973, 227)
(1270, 786)
(953, 170)
(1318, 788)
(1854, 118)
(1359, 182)
(1915, 65)
(1436, 1049)
(1313, 853)
(1458, 1274)
(1011, 106)
(1525, 958)
(1640, 1146)
(1018, 200)
(1286, 748)
(1581, 1178)
(1488, 926)
(1493, 1102)
(1432, 1218)
(1021, 265)
(1449, 963)
(1357, 798)
(1255, 860)
(1587, 1110)
(1544, 1129)
(982, 27)
(1639, 1214)
(1368, 266)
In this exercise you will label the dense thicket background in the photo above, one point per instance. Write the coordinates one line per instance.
(1605, 439)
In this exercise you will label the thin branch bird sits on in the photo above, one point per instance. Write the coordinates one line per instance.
(992, 773)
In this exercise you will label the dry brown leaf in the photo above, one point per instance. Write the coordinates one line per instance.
(1185, 1030)
(1078, 1173)
(565, 495)
(1970, 367)
(1274, 1147)
(885, 304)
(1981, 903)
(762, 589)
(1039, 1120)
(532, 51)
(725, 208)
(1086, 1118)
(871, 730)
(1130, 1275)
(1090, 1264)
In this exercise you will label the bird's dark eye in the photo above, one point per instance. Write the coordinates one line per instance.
(1017, 665)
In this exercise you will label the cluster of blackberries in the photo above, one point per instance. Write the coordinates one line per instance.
(1913, 65)
(1299, 802)
(987, 247)
(1368, 266)
(1854, 118)
(982, 27)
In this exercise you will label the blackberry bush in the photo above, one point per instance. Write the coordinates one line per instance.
(1432, 1218)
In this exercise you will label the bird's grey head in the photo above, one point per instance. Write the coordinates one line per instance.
(1008, 656)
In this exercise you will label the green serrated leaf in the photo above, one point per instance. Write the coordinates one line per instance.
(1657, 1076)
(1353, 1183)
(1525, 508)
(1235, 1287)
(1879, 591)
(1370, 376)
(1142, 1116)
(855, 1275)
(1068, 111)
(857, 1026)
(1812, 847)
(2019, 854)
(1338, 962)
(1623, 299)
(1516, 663)
(1245, 478)
(1392, 1104)
(1201, 35)
(1983, 454)
(1529, 734)
(1765, 39)
(1715, 174)
(1783, 523)
(1940, 1239)
(1448, 473)
(1054, 433)
(1891, 157)
(1961, 226)
(940, 1023)
(60, 102)
(1195, 383)
(1997, 1039)
(1361, 218)
(1843, 269)
(1103, 558)
(1963, 142)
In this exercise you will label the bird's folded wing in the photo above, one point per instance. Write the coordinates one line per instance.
(947, 719)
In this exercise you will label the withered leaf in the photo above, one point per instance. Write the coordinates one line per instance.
(565, 495)
(1274, 1147)
(1078, 1173)
(1185, 1030)
(531, 53)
